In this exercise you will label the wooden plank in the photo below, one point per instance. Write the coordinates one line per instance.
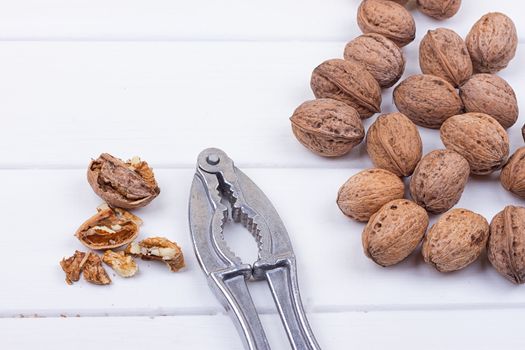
(44, 207)
(67, 102)
(208, 19)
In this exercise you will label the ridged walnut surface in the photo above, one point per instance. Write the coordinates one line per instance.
(443, 53)
(367, 191)
(327, 127)
(456, 240)
(439, 180)
(381, 57)
(394, 232)
(347, 82)
(492, 42)
(506, 245)
(439, 9)
(490, 94)
(479, 138)
(387, 18)
(427, 100)
(512, 176)
(393, 143)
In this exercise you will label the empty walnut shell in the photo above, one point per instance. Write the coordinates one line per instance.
(479, 138)
(443, 53)
(380, 56)
(512, 176)
(439, 9)
(387, 18)
(327, 127)
(439, 180)
(427, 100)
(492, 42)
(347, 82)
(109, 228)
(127, 185)
(490, 94)
(393, 143)
(506, 245)
(367, 191)
(394, 232)
(456, 240)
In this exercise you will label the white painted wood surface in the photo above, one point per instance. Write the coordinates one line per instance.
(165, 79)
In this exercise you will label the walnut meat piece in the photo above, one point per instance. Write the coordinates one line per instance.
(73, 265)
(109, 228)
(512, 175)
(158, 248)
(94, 272)
(127, 185)
(122, 264)
(439, 9)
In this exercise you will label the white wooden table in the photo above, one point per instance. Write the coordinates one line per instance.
(165, 79)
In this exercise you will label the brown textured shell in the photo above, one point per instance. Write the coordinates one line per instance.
(490, 94)
(512, 176)
(479, 138)
(506, 245)
(443, 53)
(327, 127)
(439, 9)
(456, 240)
(367, 191)
(387, 18)
(380, 56)
(393, 143)
(427, 100)
(347, 82)
(439, 180)
(492, 42)
(394, 232)
(401, 2)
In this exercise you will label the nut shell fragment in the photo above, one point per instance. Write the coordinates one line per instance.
(73, 265)
(94, 272)
(512, 175)
(158, 248)
(122, 264)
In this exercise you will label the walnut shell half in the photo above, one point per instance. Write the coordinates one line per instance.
(158, 248)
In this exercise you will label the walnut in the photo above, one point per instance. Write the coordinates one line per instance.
(387, 18)
(512, 176)
(492, 42)
(394, 232)
(327, 127)
(490, 94)
(479, 138)
(427, 100)
(367, 191)
(123, 264)
(401, 2)
(439, 180)
(109, 228)
(158, 248)
(127, 185)
(439, 9)
(456, 240)
(443, 53)
(93, 270)
(347, 82)
(380, 56)
(393, 143)
(73, 265)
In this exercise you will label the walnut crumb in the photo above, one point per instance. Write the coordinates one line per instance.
(123, 264)
(158, 248)
(94, 272)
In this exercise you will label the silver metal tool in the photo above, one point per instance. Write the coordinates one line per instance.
(216, 179)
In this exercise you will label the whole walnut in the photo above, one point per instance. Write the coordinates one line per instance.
(512, 175)
(327, 127)
(380, 56)
(348, 82)
(492, 42)
(443, 53)
(367, 191)
(439, 9)
(490, 94)
(387, 18)
(427, 100)
(456, 240)
(479, 138)
(439, 180)
(506, 245)
(394, 232)
(393, 143)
